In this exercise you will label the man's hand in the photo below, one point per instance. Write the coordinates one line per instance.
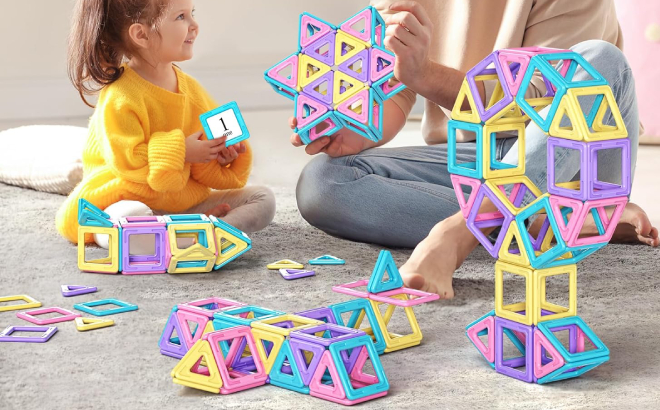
(408, 36)
(199, 151)
(343, 142)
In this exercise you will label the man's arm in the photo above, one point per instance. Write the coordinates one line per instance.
(408, 35)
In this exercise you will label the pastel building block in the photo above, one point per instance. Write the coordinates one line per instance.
(209, 306)
(358, 66)
(576, 361)
(188, 373)
(458, 113)
(88, 307)
(285, 372)
(459, 181)
(308, 110)
(90, 215)
(381, 64)
(394, 341)
(404, 297)
(589, 187)
(29, 303)
(553, 249)
(387, 87)
(560, 81)
(327, 260)
(510, 366)
(467, 169)
(321, 90)
(231, 242)
(155, 227)
(356, 311)
(385, 275)
(351, 288)
(201, 256)
(360, 25)
(323, 314)
(571, 227)
(535, 308)
(497, 169)
(283, 77)
(225, 121)
(481, 70)
(169, 344)
(485, 325)
(327, 124)
(520, 58)
(312, 28)
(323, 49)
(374, 386)
(109, 264)
(501, 218)
(332, 65)
(292, 274)
(588, 127)
(31, 316)
(46, 334)
(84, 324)
(74, 290)
(239, 338)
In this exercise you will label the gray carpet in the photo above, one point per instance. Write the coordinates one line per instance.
(120, 367)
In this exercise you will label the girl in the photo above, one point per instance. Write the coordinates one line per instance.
(145, 153)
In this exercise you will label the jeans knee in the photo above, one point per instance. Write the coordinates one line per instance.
(315, 190)
(603, 55)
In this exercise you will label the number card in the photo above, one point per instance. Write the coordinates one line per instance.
(225, 121)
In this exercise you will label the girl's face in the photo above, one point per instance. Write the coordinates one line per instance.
(178, 31)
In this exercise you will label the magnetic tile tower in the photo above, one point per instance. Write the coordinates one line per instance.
(539, 237)
(338, 77)
(214, 243)
(330, 352)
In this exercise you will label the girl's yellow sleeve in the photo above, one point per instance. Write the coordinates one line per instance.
(231, 176)
(158, 161)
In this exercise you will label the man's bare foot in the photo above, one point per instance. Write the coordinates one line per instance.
(633, 227)
(219, 210)
(433, 262)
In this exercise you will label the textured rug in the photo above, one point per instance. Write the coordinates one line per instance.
(121, 368)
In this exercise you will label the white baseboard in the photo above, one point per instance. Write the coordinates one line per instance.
(51, 98)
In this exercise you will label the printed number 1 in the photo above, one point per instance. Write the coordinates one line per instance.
(223, 123)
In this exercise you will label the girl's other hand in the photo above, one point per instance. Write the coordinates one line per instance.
(229, 154)
(201, 150)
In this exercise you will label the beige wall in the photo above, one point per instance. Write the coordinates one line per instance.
(238, 41)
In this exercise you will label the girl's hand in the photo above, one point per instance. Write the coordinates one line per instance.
(229, 154)
(408, 36)
(344, 142)
(200, 151)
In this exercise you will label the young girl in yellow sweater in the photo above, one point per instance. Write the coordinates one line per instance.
(146, 153)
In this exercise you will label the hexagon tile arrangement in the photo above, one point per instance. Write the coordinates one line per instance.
(579, 113)
(339, 77)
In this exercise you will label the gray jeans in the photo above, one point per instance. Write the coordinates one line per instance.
(394, 196)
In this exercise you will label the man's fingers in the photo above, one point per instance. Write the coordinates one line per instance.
(400, 34)
(415, 8)
(317, 146)
(295, 140)
(407, 20)
(293, 122)
(395, 45)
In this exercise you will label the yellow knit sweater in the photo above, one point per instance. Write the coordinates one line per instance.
(136, 150)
